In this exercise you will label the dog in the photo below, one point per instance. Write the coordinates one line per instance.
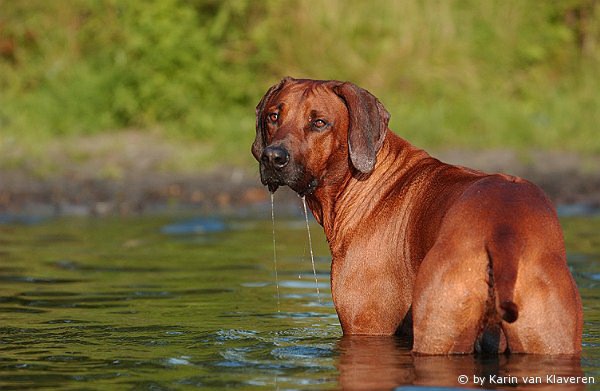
(471, 262)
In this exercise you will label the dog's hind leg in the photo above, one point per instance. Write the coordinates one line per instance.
(450, 295)
(547, 298)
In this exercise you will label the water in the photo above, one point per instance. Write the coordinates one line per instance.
(163, 303)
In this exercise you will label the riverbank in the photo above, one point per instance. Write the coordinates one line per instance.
(134, 172)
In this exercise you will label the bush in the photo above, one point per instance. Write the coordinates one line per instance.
(471, 73)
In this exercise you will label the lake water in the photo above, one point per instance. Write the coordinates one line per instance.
(183, 302)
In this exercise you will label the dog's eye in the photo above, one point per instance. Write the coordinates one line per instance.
(273, 117)
(319, 123)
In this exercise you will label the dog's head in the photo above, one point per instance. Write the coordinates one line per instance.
(311, 132)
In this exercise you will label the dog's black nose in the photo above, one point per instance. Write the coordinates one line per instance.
(277, 157)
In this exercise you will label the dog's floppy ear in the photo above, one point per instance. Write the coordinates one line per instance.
(259, 142)
(367, 127)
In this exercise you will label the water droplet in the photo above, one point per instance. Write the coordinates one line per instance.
(275, 251)
(312, 257)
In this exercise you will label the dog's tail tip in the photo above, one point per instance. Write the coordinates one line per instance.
(509, 311)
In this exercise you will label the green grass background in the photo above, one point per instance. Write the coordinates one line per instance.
(518, 74)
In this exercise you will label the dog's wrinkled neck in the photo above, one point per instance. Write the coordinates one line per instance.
(341, 205)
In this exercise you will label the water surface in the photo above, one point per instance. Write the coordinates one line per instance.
(181, 302)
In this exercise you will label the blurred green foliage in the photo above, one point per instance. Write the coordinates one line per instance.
(453, 73)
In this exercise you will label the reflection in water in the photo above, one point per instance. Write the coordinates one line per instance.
(152, 303)
(504, 371)
(378, 363)
(371, 363)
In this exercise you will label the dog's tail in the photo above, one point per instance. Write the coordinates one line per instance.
(502, 269)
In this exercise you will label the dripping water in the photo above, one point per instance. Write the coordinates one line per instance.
(312, 258)
(275, 252)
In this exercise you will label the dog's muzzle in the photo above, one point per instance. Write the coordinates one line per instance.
(273, 160)
(278, 169)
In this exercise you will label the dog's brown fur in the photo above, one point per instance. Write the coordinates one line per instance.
(479, 258)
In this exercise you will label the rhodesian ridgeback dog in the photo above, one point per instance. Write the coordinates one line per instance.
(476, 261)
